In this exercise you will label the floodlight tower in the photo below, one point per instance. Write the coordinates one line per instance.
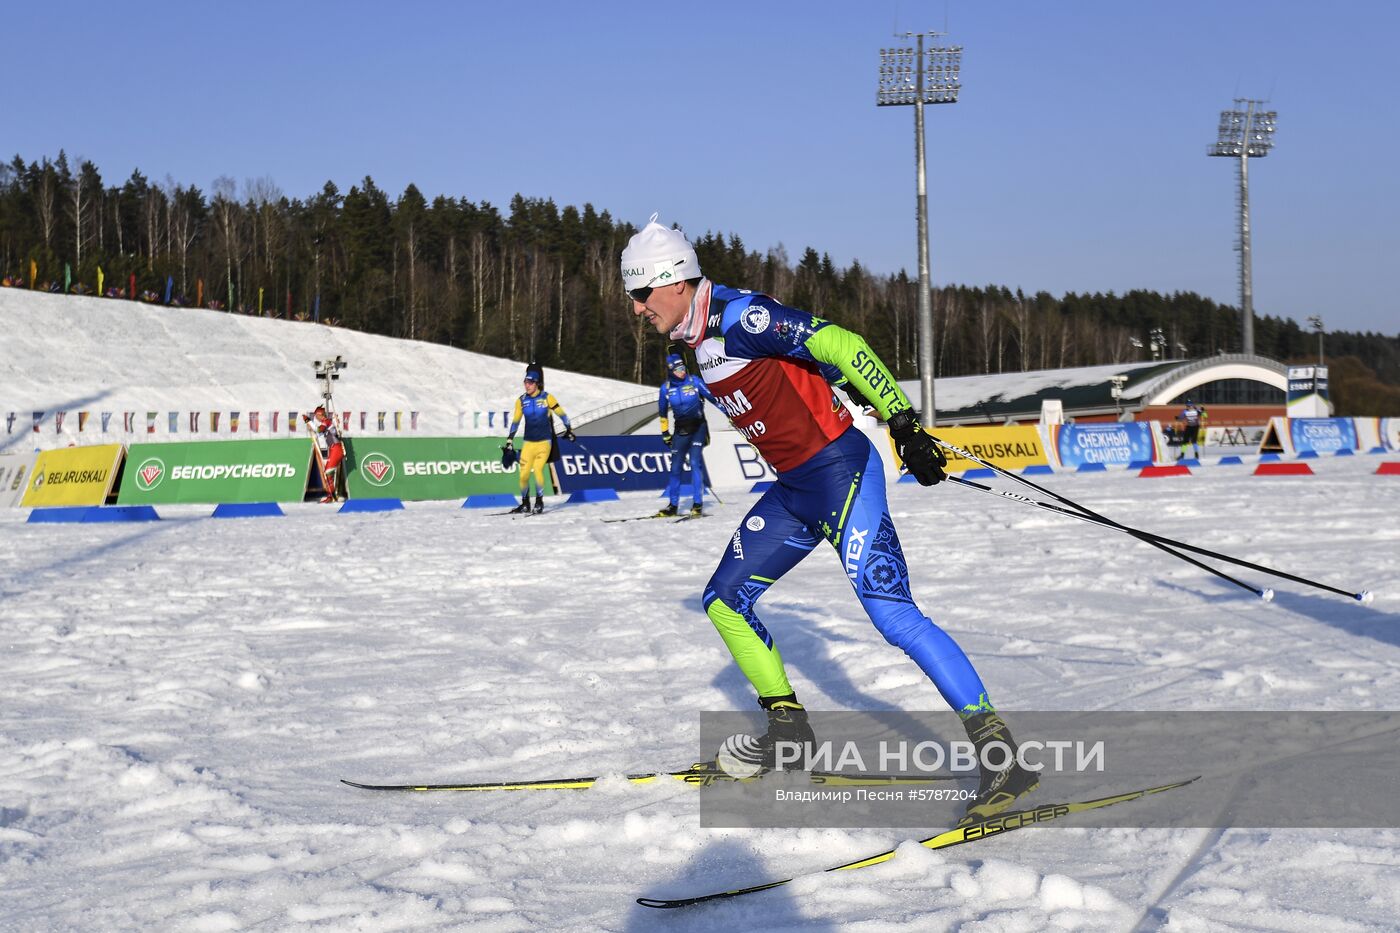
(1245, 132)
(328, 371)
(918, 76)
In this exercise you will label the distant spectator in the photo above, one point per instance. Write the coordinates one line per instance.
(330, 447)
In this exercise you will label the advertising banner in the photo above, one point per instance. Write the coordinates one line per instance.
(73, 476)
(14, 470)
(1117, 443)
(216, 471)
(1390, 433)
(1324, 435)
(420, 468)
(622, 462)
(1011, 447)
(733, 462)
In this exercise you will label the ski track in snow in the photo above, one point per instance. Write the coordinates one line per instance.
(179, 700)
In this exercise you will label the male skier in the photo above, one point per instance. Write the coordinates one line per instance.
(1191, 417)
(684, 396)
(772, 368)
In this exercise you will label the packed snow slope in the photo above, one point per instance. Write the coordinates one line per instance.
(68, 353)
(179, 699)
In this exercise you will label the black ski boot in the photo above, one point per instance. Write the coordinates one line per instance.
(667, 512)
(787, 722)
(997, 790)
(524, 507)
(539, 504)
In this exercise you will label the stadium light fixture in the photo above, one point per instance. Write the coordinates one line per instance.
(1116, 390)
(328, 372)
(917, 76)
(1316, 323)
(1245, 133)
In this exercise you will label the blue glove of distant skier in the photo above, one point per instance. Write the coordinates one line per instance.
(916, 448)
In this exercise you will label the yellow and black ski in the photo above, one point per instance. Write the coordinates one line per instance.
(981, 829)
(697, 775)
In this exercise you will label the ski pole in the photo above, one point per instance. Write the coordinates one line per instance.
(1363, 597)
(1145, 535)
(579, 443)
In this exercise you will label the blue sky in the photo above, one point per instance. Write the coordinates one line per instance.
(1075, 160)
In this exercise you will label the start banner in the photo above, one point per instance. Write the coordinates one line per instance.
(216, 471)
(73, 476)
(14, 470)
(1116, 443)
(419, 468)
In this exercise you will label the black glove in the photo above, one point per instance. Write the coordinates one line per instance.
(916, 448)
(568, 434)
(666, 438)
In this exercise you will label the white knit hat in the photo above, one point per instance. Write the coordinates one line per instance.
(658, 256)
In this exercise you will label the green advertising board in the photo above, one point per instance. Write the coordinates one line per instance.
(428, 468)
(216, 471)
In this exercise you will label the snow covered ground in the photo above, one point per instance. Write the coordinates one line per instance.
(178, 700)
(71, 354)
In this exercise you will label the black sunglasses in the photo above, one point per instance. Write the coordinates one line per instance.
(640, 294)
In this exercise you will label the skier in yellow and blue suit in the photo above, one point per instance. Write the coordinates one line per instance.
(537, 408)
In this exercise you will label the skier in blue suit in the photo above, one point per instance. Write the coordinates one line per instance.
(684, 396)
